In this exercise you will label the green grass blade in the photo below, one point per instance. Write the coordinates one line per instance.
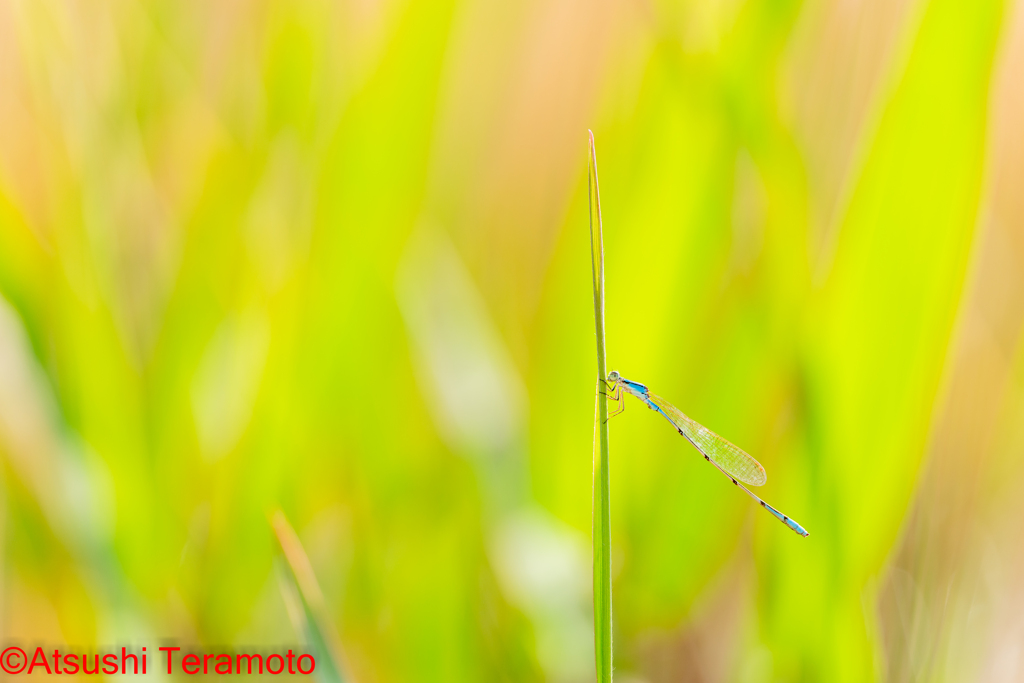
(318, 629)
(602, 479)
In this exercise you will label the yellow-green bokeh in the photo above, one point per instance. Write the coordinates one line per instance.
(332, 258)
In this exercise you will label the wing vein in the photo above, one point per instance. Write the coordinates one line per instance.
(729, 457)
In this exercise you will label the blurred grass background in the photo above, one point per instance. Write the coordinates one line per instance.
(332, 257)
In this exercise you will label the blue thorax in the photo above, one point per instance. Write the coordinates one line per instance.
(636, 386)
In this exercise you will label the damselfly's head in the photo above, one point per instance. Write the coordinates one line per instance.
(613, 376)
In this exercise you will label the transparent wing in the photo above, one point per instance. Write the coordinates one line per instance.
(727, 456)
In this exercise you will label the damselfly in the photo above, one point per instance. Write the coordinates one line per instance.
(728, 458)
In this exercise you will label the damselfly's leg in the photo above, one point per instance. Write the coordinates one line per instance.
(614, 389)
(619, 397)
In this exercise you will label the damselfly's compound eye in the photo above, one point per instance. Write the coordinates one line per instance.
(613, 376)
